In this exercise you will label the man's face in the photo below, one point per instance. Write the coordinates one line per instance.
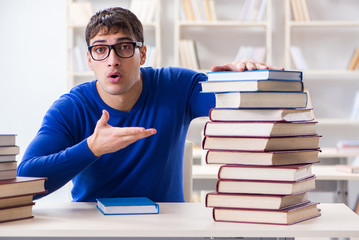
(115, 75)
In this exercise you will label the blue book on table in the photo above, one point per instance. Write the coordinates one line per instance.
(129, 205)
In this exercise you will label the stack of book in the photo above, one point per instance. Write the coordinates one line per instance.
(264, 137)
(188, 54)
(16, 193)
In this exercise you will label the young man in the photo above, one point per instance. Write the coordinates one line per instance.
(123, 134)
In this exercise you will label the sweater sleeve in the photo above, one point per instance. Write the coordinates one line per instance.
(55, 152)
(198, 103)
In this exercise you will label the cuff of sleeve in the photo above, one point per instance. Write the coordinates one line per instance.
(82, 151)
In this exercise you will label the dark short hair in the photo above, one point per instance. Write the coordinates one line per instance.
(114, 19)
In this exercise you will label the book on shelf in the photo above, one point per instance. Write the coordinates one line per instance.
(347, 168)
(188, 54)
(305, 10)
(7, 140)
(261, 143)
(9, 150)
(255, 75)
(255, 52)
(276, 158)
(261, 11)
(258, 201)
(354, 60)
(151, 57)
(198, 10)
(188, 10)
(300, 11)
(261, 114)
(298, 58)
(16, 201)
(253, 128)
(350, 146)
(354, 114)
(261, 100)
(286, 216)
(16, 212)
(265, 187)
(130, 205)
(295, 10)
(78, 55)
(22, 186)
(253, 10)
(210, 10)
(252, 85)
(266, 173)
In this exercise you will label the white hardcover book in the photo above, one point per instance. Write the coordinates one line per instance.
(355, 109)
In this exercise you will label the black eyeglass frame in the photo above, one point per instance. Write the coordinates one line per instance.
(135, 44)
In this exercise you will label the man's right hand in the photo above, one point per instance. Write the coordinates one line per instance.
(108, 139)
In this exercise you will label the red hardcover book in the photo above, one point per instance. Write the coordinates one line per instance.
(286, 216)
(13, 201)
(257, 201)
(347, 168)
(261, 114)
(252, 85)
(256, 128)
(22, 186)
(261, 100)
(16, 213)
(276, 158)
(265, 187)
(261, 143)
(267, 173)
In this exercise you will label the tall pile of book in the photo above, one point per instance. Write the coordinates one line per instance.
(264, 138)
(16, 193)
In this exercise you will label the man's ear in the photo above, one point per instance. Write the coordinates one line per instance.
(89, 61)
(143, 52)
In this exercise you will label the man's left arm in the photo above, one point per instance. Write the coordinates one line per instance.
(201, 103)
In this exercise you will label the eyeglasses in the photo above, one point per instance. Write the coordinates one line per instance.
(123, 50)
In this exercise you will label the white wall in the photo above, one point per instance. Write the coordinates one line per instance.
(32, 64)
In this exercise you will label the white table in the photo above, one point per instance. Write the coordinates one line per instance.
(190, 220)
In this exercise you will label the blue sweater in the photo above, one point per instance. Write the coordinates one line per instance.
(150, 167)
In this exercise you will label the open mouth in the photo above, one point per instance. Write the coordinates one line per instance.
(113, 77)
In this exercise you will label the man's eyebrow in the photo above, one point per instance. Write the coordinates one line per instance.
(117, 40)
(99, 41)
